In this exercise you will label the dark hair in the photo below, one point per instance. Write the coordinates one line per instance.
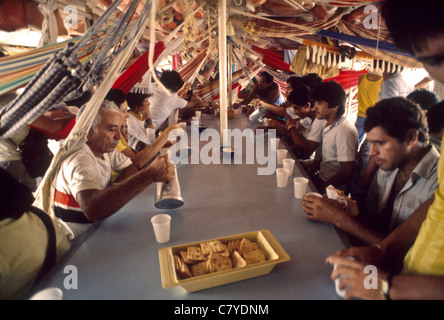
(332, 93)
(15, 197)
(396, 116)
(424, 98)
(81, 100)
(172, 80)
(410, 23)
(299, 96)
(312, 80)
(116, 96)
(294, 82)
(136, 99)
(435, 117)
(268, 77)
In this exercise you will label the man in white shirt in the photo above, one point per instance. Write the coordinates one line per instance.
(340, 137)
(394, 85)
(84, 193)
(167, 105)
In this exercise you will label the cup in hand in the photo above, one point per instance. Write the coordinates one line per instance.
(289, 164)
(300, 187)
(161, 225)
(282, 177)
(281, 154)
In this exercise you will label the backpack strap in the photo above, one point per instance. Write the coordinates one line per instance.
(50, 258)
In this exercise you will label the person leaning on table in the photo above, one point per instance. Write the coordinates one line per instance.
(418, 243)
(407, 176)
(83, 192)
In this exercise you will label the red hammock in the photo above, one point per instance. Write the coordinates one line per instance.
(273, 59)
(135, 72)
(347, 78)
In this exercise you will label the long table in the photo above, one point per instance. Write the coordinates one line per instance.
(119, 259)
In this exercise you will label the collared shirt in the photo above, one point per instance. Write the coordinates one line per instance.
(395, 86)
(420, 187)
(339, 144)
(426, 256)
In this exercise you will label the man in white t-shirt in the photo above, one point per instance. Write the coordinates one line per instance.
(167, 105)
(84, 193)
(306, 132)
(340, 137)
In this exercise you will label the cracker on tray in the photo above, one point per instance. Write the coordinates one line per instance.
(217, 262)
(238, 261)
(211, 246)
(198, 269)
(247, 245)
(196, 254)
(254, 256)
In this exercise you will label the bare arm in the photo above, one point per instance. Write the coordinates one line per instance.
(325, 210)
(304, 146)
(343, 176)
(99, 204)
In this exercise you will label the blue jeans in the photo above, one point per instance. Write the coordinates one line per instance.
(359, 124)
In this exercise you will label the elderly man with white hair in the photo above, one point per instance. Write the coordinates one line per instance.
(84, 193)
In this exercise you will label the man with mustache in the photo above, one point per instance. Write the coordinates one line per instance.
(84, 193)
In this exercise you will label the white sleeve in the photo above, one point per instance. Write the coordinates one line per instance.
(137, 130)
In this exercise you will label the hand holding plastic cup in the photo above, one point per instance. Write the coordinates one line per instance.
(281, 155)
(289, 164)
(300, 187)
(282, 177)
(161, 225)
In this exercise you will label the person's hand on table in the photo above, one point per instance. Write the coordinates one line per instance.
(322, 209)
(358, 281)
(367, 254)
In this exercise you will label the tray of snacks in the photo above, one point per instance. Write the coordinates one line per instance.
(210, 263)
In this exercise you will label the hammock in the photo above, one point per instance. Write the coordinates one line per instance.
(137, 70)
(64, 76)
(105, 73)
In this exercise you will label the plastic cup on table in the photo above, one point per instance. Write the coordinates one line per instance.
(282, 177)
(198, 114)
(161, 225)
(281, 155)
(300, 187)
(274, 143)
(289, 164)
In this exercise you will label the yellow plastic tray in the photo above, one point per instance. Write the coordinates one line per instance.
(274, 254)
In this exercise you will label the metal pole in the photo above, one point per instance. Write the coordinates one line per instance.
(222, 24)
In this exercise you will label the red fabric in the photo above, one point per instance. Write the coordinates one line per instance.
(61, 134)
(347, 78)
(273, 59)
(135, 72)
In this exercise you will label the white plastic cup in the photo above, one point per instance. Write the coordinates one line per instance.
(289, 164)
(281, 155)
(48, 294)
(198, 114)
(274, 143)
(300, 186)
(161, 225)
(282, 177)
